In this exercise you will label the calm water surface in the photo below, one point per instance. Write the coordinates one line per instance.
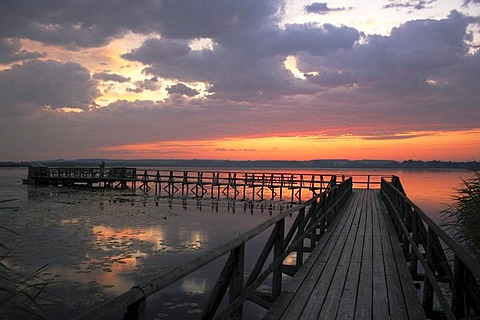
(99, 243)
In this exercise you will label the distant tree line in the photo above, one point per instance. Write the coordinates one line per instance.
(313, 164)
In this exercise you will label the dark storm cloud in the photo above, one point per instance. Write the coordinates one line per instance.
(322, 8)
(257, 65)
(11, 51)
(400, 63)
(46, 84)
(105, 76)
(182, 89)
(92, 23)
(152, 84)
(159, 50)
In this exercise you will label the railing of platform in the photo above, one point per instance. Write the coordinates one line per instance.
(313, 218)
(442, 258)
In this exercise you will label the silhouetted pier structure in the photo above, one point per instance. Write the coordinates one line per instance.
(357, 254)
(198, 184)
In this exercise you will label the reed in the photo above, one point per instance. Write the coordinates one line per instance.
(463, 216)
(22, 296)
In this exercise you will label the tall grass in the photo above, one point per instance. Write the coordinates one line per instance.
(463, 216)
(22, 296)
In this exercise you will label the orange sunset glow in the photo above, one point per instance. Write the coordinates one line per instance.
(439, 145)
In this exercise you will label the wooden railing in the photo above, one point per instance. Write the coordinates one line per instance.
(313, 218)
(450, 274)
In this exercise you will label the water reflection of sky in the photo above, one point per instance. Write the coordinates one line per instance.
(100, 243)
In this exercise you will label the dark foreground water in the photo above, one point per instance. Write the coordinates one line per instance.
(96, 244)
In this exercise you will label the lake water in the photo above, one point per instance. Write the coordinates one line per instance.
(98, 243)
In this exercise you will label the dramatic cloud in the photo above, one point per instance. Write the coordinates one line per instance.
(183, 70)
(11, 51)
(148, 84)
(402, 63)
(182, 89)
(417, 5)
(89, 23)
(105, 76)
(322, 8)
(256, 66)
(40, 84)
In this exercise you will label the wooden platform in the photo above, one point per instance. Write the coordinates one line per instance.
(357, 271)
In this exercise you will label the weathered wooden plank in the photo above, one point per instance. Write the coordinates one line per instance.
(360, 272)
(380, 292)
(285, 298)
(363, 308)
(323, 285)
(307, 276)
(396, 301)
(412, 304)
(346, 309)
(334, 295)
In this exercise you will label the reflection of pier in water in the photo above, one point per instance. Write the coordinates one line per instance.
(252, 186)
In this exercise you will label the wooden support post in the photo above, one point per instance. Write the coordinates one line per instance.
(408, 223)
(313, 235)
(428, 291)
(245, 186)
(253, 186)
(137, 310)
(277, 252)
(236, 280)
(459, 303)
(413, 257)
(300, 231)
(223, 281)
(281, 186)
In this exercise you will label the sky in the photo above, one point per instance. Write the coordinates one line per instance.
(240, 79)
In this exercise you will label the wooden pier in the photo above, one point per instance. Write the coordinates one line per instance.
(252, 186)
(357, 254)
(357, 271)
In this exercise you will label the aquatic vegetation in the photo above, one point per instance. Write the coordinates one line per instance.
(22, 296)
(463, 216)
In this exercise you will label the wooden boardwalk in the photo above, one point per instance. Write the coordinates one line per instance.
(357, 271)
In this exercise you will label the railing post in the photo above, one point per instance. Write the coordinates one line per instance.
(459, 302)
(313, 235)
(277, 252)
(408, 223)
(300, 230)
(428, 291)
(236, 281)
(413, 257)
(137, 310)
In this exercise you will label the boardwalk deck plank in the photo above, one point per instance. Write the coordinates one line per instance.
(358, 271)
(380, 295)
(325, 284)
(363, 308)
(332, 301)
(285, 298)
(299, 301)
(346, 309)
(414, 308)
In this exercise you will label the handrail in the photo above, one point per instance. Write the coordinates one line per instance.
(322, 210)
(415, 228)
